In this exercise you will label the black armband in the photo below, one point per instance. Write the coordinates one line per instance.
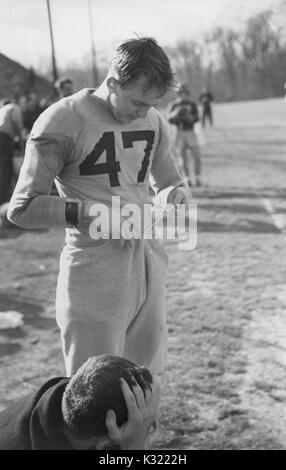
(71, 214)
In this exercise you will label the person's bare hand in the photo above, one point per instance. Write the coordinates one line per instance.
(141, 408)
(179, 195)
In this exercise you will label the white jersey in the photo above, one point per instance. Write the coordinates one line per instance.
(91, 156)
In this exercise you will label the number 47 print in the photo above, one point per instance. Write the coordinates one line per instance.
(112, 166)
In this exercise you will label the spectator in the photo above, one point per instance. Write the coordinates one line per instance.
(11, 127)
(183, 113)
(206, 98)
(64, 87)
(30, 110)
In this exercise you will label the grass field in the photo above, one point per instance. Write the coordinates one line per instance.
(225, 384)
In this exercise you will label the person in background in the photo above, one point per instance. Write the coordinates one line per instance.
(183, 113)
(64, 87)
(206, 99)
(11, 128)
(31, 110)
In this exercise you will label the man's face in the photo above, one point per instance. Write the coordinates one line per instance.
(133, 102)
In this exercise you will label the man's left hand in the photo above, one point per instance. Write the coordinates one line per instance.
(179, 195)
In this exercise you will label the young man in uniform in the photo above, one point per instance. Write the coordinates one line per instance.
(183, 112)
(110, 403)
(99, 144)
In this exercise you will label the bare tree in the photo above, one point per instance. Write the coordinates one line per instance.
(259, 44)
(186, 58)
(228, 48)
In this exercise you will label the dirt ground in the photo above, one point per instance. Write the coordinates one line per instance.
(225, 384)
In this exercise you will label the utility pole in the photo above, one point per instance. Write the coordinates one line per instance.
(93, 54)
(55, 72)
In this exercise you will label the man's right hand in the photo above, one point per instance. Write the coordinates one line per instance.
(142, 408)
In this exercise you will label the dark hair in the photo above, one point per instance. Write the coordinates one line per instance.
(95, 389)
(143, 57)
(61, 82)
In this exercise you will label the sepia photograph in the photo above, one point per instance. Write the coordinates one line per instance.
(143, 227)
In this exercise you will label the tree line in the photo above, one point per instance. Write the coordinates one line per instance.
(247, 62)
(237, 64)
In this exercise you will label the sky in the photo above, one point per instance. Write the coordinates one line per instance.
(24, 31)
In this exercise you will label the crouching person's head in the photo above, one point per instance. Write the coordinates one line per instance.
(110, 403)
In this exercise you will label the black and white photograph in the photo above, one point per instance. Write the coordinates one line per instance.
(143, 227)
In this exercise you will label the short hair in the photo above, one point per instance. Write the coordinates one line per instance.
(61, 82)
(95, 389)
(139, 57)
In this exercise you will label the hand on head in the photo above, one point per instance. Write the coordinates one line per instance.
(141, 423)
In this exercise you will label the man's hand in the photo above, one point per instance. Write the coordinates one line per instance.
(179, 195)
(142, 408)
